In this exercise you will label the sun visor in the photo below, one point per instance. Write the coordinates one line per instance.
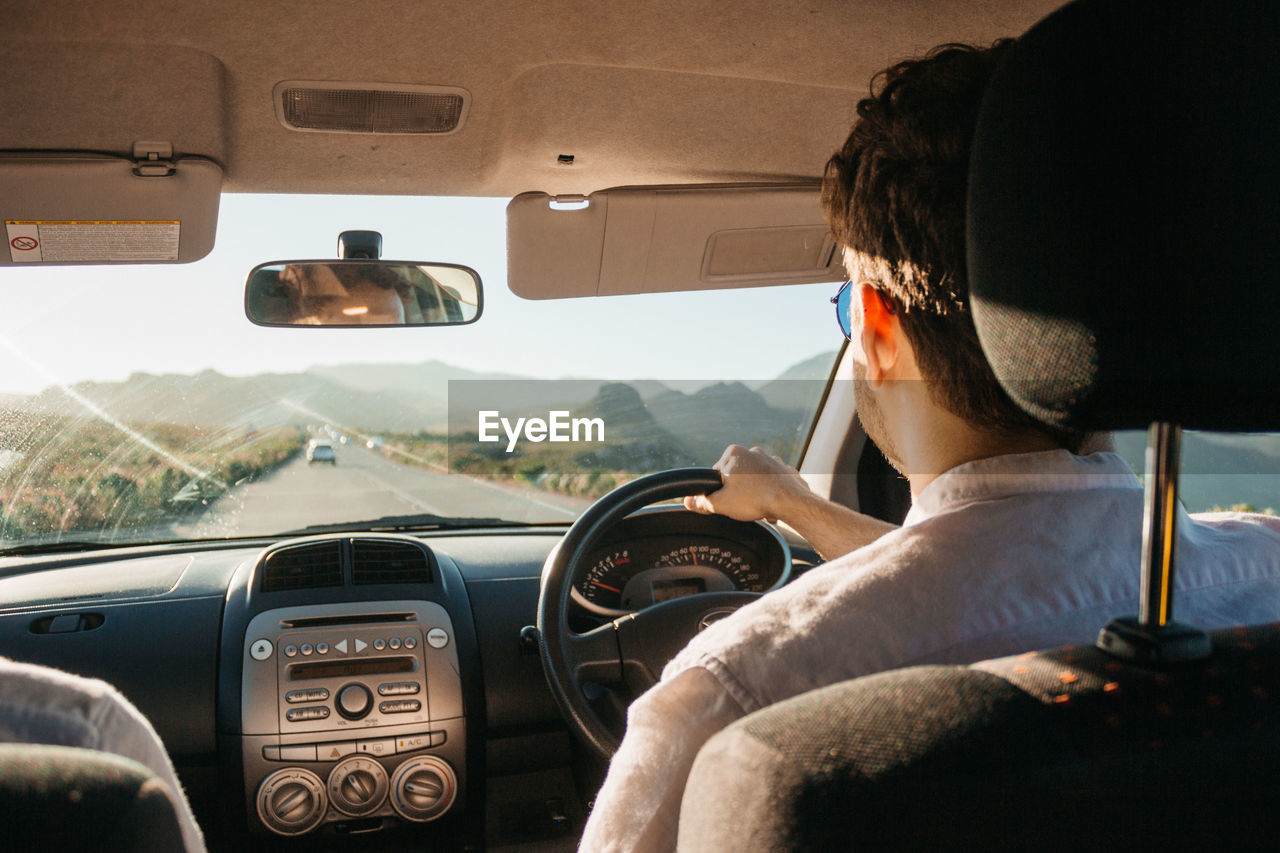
(87, 209)
(661, 239)
(110, 153)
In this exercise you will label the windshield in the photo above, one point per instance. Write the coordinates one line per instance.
(138, 404)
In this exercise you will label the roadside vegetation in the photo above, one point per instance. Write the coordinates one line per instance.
(670, 430)
(1246, 507)
(552, 468)
(59, 474)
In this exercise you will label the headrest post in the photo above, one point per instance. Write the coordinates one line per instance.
(1160, 524)
(1154, 638)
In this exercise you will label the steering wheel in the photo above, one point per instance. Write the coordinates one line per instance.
(632, 649)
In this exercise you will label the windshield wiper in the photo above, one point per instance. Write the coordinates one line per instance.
(406, 522)
(63, 546)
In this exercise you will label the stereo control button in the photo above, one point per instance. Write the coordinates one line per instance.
(399, 706)
(313, 694)
(341, 646)
(437, 638)
(379, 644)
(322, 648)
(410, 643)
(354, 701)
(307, 649)
(290, 650)
(361, 645)
(394, 643)
(398, 688)
(298, 715)
(261, 649)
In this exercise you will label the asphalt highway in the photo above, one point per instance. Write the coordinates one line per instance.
(365, 485)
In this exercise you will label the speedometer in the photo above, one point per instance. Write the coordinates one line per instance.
(737, 565)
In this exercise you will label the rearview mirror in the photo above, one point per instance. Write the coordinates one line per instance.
(362, 293)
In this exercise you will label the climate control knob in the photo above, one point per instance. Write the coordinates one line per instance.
(354, 701)
(424, 788)
(357, 786)
(291, 801)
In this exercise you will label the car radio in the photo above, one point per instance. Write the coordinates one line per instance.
(351, 711)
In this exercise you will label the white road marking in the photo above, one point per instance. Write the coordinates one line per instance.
(403, 495)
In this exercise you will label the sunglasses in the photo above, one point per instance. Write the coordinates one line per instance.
(841, 301)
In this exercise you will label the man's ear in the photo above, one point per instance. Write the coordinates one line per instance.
(880, 329)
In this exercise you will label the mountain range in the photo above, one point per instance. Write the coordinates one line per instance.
(1218, 469)
(387, 397)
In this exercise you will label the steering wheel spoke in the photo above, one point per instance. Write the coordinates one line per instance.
(649, 638)
(595, 656)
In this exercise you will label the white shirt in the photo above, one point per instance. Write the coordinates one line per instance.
(996, 556)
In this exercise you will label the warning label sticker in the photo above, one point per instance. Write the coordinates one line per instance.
(92, 241)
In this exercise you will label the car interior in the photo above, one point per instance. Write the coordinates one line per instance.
(459, 683)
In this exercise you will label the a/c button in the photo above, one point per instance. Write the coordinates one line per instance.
(411, 742)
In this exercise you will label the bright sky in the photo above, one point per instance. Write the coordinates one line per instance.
(66, 324)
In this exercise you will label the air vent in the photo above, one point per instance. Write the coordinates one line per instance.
(389, 562)
(303, 567)
(370, 107)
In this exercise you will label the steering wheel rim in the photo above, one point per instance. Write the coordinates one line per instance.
(601, 654)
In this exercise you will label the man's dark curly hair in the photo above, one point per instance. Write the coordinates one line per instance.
(894, 196)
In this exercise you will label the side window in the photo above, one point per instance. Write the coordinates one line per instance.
(1220, 471)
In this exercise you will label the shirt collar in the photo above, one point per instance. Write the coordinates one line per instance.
(1020, 473)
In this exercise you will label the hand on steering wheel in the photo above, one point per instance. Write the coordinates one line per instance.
(632, 648)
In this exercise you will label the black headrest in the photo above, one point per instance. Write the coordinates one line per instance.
(1124, 216)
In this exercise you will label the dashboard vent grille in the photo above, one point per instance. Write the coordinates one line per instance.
(303, 567)
(389, 562)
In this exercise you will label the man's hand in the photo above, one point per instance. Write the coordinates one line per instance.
(756, 485)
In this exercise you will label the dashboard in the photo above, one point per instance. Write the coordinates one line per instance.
(372, 685)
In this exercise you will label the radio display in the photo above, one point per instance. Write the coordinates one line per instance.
(349, 668)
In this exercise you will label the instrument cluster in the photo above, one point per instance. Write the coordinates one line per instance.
(665, 553)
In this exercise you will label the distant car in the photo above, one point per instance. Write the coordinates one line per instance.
(374, 443)
(321, 451)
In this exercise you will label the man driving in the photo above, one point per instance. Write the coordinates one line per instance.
(345, 294)
(1018, 538)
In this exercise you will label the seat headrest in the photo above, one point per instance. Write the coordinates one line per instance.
(1124, 216)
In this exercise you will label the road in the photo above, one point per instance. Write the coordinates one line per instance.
(364, 485)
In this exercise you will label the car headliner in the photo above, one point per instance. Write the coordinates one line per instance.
(639, 93)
